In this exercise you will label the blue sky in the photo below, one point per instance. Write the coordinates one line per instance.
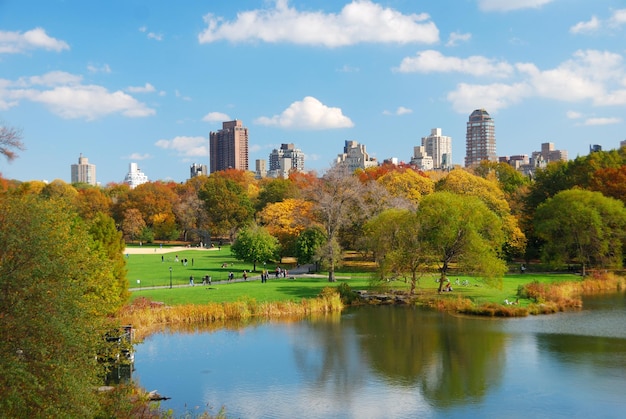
(145, 81)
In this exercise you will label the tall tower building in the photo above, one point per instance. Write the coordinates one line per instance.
(83, 172)
(439, 147)
(228, 147)
(135, 177)
(480, 139)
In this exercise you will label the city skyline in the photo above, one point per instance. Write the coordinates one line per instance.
(147, 81)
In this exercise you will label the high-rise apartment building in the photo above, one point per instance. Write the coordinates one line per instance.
(84, 172)
(228, 147)
(480, 139)
(261, 168)
(439, 147)
(355, 157)
(285, 159)
(198, 170)
(135, 177)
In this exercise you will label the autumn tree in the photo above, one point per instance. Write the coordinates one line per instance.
(155, 201)
(10, 140)
(133, 223)
(55, 301)
(462, 230)
(227, 204)
(91, 201)
(255, 244)
(582, 226)
(610, 182)
(276, 190)
(285, 220)
(336, 199)
(407, 184)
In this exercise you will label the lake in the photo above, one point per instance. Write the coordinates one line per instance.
(400, 362)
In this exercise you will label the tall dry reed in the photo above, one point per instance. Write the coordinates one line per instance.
(146, 315)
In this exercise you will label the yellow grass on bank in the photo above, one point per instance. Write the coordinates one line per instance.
(546, 298)
(146, 315)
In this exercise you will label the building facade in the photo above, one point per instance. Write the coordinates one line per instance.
(135, 177)
(480, 139)
(83, 172)
(439, 147)
(228, 147)
(421, 159)
(284, 160)
(198, 170)
(355, 157)
(260, 166)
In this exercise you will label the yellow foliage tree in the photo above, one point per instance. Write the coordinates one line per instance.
(407, 184)
(285, 220)
(489, 191)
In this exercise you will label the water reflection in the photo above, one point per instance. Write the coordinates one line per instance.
(395, 362)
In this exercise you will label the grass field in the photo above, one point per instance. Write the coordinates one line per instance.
(148, 268)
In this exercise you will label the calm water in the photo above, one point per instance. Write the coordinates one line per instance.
(398, 362)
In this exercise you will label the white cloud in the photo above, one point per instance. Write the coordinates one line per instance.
(359, 21)
(456, 37)
(147, 88)
(348, 69)
(186, 146)
(510, 5)
(309, 113)
(401, 110)
(99, 69)
(151, 35)
(138, 156)
(602, 121)
(493, 97)
(431, 61)
(65, 95)
(573, 115)
(597, 77)
(617, 19)
(216, 117)
(17, 42)
(53, 78)
(589, 26)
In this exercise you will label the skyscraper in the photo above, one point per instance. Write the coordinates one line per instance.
(439, 147)
(228, 147)
(480, 139)
(83, 172)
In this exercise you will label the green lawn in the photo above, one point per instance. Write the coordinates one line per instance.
(151, 271)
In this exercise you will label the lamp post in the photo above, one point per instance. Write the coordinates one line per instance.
(170, 277)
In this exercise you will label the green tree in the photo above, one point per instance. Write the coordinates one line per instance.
(395, 237)
(255, 244)
(275, 190)
(308, 243)
(581, 226)
(461, 230)
(53, 309)
(110, 241)
(227, 204)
